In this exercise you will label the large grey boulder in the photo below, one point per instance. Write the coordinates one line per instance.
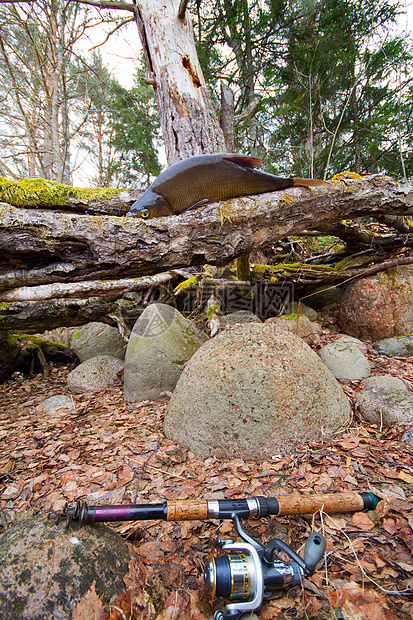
(95, 374)
(252, 392)
(383, 400)
(48, 571)
(379, 306)
(345, 358)
(161, 343)
(97, 339)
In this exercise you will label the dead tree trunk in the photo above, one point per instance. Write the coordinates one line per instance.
(189, 123)
(44, 247)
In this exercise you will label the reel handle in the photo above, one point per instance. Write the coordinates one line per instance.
(219, 615)
(314, 551)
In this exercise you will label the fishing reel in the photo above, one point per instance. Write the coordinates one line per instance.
(248, 572)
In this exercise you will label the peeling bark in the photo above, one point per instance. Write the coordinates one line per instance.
(189, 123)
(40, 248)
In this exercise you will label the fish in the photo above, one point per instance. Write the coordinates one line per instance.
(202, 179)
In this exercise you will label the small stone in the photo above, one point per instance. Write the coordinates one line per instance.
(345, 359)
(239, 317)
(400, 346)
(95, 374)
(54, 403)
(384, 400)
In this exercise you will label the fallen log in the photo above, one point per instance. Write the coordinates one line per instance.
(43, 247)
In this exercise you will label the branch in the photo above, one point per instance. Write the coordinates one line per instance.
(117, 288)
(42, 316)
(109, 4)
(249, 111)
(64, 305)
(182, 9)
(127, 20)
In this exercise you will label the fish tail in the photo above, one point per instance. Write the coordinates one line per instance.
(307, 182)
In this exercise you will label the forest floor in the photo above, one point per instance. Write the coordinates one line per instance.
(108, 451)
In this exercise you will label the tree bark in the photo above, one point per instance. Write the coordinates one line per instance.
(189, 123)
(39, 316)
(44, 247)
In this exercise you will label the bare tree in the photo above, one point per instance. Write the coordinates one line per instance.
(189, 123)
(39, 86)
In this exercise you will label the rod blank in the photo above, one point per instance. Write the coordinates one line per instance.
(192, 509)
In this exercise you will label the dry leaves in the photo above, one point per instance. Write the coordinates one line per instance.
(106, 451)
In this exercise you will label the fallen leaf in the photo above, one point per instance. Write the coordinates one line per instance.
(405, 477)
(357, 603)
(90, 606)
(362, 521)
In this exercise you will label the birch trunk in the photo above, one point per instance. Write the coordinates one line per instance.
(189, 123)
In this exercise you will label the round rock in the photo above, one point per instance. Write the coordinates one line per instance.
(384, 400)
(161, 342)
(97, 339)
(54, 403)
(401, 346)
(48, 571)
(252, 392)
(344, 358)
(239, 317)
(95, 374)
(302, 326)
(379, 306)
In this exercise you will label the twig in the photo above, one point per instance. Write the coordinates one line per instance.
(363, 572)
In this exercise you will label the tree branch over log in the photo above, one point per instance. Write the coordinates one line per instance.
(44, 247)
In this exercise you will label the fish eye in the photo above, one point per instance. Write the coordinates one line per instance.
(145, 214)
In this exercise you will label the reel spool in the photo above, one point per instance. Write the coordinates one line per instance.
(249, 572)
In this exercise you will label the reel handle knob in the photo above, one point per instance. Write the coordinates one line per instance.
(219, 615)
(314, 550)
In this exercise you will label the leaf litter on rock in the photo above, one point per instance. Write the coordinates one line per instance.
(106, 451)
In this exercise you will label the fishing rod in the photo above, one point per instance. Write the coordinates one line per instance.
(199, 509)
(247, 573)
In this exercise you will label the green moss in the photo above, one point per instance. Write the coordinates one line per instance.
(77, 333)
(292, 316)
(211, 310)
(186, 284)
(13, 343)
(347, 174)
(34, 193)
(4, 305)
(262, 269)
(209, 271)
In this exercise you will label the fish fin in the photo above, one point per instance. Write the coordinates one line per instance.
(307, 182)
(246, 161)
(204, 201)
